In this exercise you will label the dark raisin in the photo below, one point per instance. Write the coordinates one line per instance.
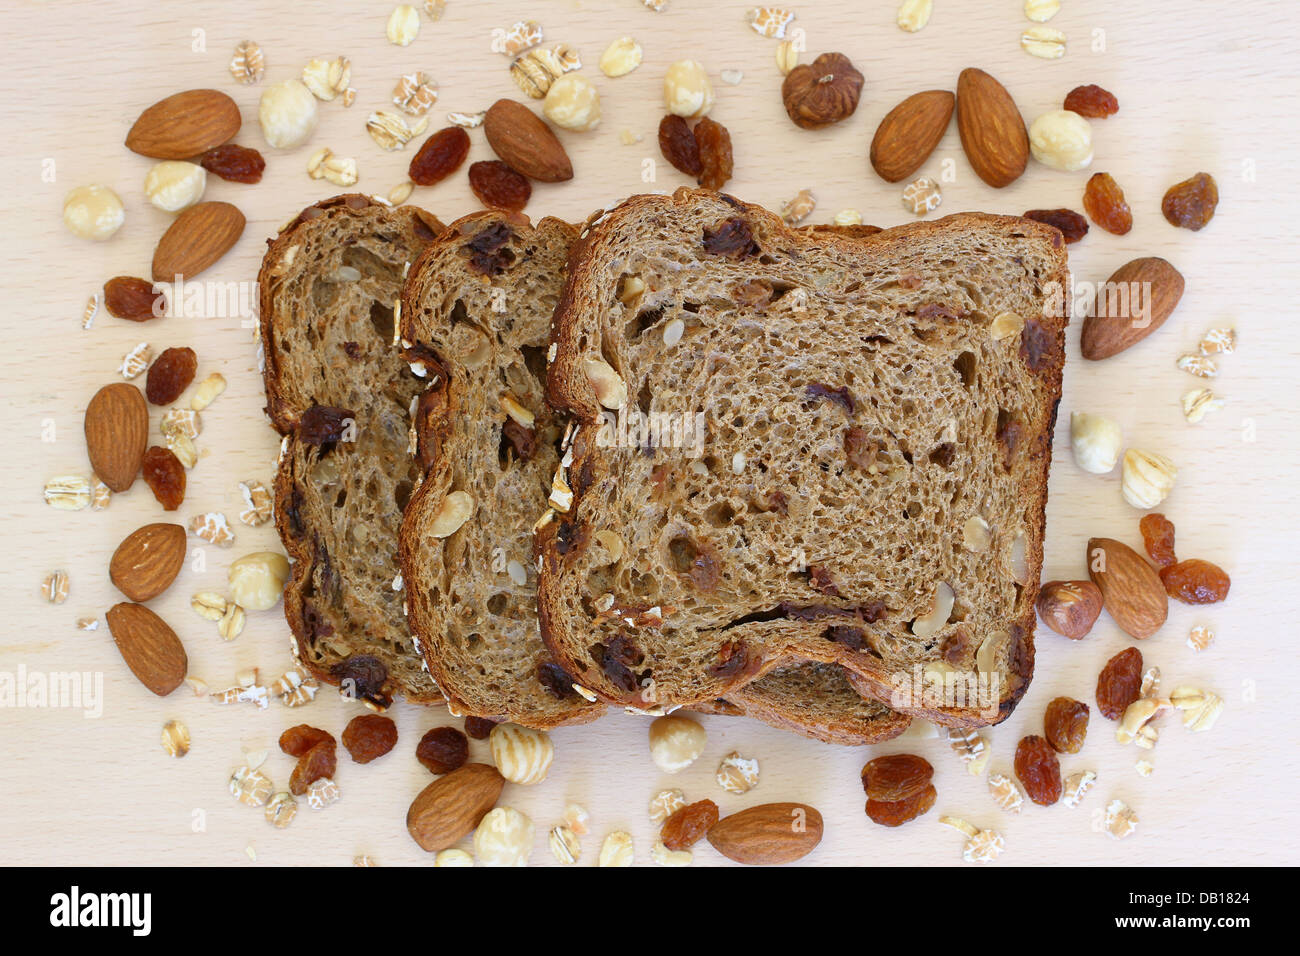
(439, 157)
(677, 143)
(820, 580)
(1038, 770)
(363, 677)
(169, 375)
(165, 476)
(839, 396)
(444, 749)
(522, 439)
(556, 680)
(488, 251)
(369, 736)
(1038, 346)
(1119, 683)
(731, 238)
(854, 638)
(233, 163)
(615, 670)
(324, 423)
(479, 727)
(497, 186)
(1071, 224)
(733, 659)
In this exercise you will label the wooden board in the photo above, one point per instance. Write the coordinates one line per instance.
(1202, 87)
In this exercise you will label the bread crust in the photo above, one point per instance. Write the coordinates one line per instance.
(418, 226)
(569, 390)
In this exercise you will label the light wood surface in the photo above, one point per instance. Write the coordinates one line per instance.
(1205, 86)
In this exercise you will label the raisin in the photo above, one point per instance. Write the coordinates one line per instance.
(1038, 346)
(169, 375)
(444, 749)
(1158, 536)
(1119, 683)
(1196, 582)
(859, 449)
(369, 736)
(854, 638)
(821, 581)
(894, 813)
(705, 571)
(324, 423)
(439, 157)
(557, 681)
(1072, 225)
(236, 164)
(1104, 203)
(165, 476)
(677, 143)
(687, 826)
(479, 727)
(363, 677)
(1190, 204)
(297, 740)
(521, 438)
(733, 659)
(1091, 101)
(320, 761)
(127, 297)
(1038, 770)
(896, 777)
(837, 396)
(715, 153)
(498, 186)
(1066, 724)
(731, 238)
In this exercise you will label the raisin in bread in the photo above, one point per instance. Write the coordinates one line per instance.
(339, 393)
(870, 490)
(474, 321)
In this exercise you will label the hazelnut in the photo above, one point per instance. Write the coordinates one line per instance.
(1061, 139)
(173, 185)
(521, 754)
(93, 212)
(453, 858)
(504, 838)
(822, 92)
(1095, 442)
(675, 743)
(687, 90)
(287, 112)
(257, 579)
(1147, 478)
(573, 103)
(1070, 608)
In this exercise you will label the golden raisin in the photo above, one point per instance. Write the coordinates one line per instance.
(687, 826)
(715, 153)
(498, 186)
(1105, 204)
(1158, 537)
(443, 750)
(1072, 225)
(1038, 770)
(169, 375)
(1196, 582)
(439, 157)
(1066, 724)
(1091, 101)
(677, 143)
(236, 164)
(127, 297)
(369, 736)
(1119, 683)
(894, 813)
(320, 761)
(896, 777)
(165, 476)
(299, 739)
(1191, 203)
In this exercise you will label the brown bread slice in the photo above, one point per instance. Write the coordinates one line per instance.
(475, 319)
(859, 413)
(329, 283)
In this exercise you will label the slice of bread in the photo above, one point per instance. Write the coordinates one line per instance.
(876, 434)
(475, 319)
(329, 284)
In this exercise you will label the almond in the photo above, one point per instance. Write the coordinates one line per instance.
(909, 133)
(117, 431)
(150, 648)
(148, 560)
(453, 805)
(525, 143)
(199, 237)
(992, 130)
(184, 125)
(1133, 303)
(767, 834)
(1130, 587)
(1070, 608)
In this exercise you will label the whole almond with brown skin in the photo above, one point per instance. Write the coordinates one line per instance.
(1070, 608)
(150, 648)
(525, 143)
(1133, 303)
(767, 834)
(453, 805)
(117, 431)
(184, 125)
(199, 237)
(909, 133)
(992, 130)
(148, 560)
(1130, 587)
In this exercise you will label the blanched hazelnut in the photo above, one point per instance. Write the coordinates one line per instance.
(1095, 441)
(1148, 478)
(173, 185)
(1061, 139)
(504, 838)
(688, 91)
(676, 743)
(93, 212)
(257, 580)
(573, 103)
(287, 112)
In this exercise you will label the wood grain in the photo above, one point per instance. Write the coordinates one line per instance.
(1201, 87)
